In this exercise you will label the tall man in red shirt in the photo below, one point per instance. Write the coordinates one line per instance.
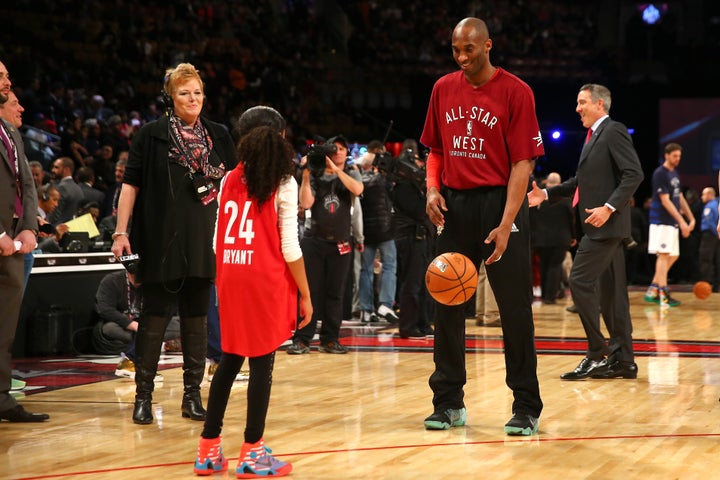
(484, 137)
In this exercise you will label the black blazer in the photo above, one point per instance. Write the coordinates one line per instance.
(608, 171)
(171, 230)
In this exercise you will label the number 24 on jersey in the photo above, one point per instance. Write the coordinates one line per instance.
(243, 231)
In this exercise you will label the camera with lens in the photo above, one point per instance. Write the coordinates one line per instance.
(402, 168)
(131, 262)
(316, 157)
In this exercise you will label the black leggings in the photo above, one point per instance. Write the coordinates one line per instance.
(258, 394)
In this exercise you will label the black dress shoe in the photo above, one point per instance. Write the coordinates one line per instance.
(572, 309)
(19, 414)
(618, 370)
(413, 333)
(585, 369)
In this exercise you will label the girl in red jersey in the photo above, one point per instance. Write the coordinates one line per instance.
(260, 270)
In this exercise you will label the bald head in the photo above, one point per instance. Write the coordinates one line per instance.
(471, 47)
(472, 26)
(553, 179)
(708, 193)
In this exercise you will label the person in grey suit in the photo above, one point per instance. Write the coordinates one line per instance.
(18, 228)
(71, 195)
(608, 173)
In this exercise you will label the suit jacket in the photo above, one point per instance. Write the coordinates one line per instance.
(7, 188)
(91, 194)
(71, 197)
(608, 171)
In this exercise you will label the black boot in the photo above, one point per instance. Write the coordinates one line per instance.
(192, 406)
(193, 332)
(148, 343)
(142, 413)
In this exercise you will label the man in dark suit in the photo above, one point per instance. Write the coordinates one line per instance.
(608, 173)
(86, 182)
(552, 234)
(18, 227)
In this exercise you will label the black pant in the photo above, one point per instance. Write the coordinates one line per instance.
(709, 258)
(471, 215)
(599, 267)
(327, 272)
(412, 261)
(258, 394)
(551, 259)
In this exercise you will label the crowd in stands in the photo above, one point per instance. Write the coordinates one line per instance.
(89, 73)
(317, 62)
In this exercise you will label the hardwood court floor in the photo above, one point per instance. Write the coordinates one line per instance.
(360, 415)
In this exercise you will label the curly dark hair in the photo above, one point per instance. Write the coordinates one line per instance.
(267, 158)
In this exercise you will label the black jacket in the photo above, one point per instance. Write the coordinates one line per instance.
(171, 229)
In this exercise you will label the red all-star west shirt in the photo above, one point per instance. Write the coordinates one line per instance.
(481, 131)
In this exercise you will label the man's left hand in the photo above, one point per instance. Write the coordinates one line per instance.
(500, 235)
(598, 216)
(28, 240)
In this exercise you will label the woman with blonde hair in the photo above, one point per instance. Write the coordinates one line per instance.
(166, 215)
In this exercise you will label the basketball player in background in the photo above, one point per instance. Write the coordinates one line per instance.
(260, 269)
(484, 137)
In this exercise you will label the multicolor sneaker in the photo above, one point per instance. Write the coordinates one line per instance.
(445, 419)
(522, 424)
(255, 461)
(242, 376)
(210, 458)
(666, 300)
(652, 295)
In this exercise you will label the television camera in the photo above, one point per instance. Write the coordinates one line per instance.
(316, 157)
(400, 168)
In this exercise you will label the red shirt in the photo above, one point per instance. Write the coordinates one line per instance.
(257, 295)
(481, 131)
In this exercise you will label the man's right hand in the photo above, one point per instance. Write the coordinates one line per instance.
(685, 229)
(535, 196)
(435, 206)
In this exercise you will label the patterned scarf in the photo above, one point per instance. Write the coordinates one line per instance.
(191, 147)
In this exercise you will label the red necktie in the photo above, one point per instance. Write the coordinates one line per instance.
(11, 156)
(576, 197)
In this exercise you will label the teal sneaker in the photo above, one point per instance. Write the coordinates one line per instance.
(522, 424)
(445, 419)
(17, 385)
(652, 298)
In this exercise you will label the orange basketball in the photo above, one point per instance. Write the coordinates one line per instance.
(702, 290)
(451, 278)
